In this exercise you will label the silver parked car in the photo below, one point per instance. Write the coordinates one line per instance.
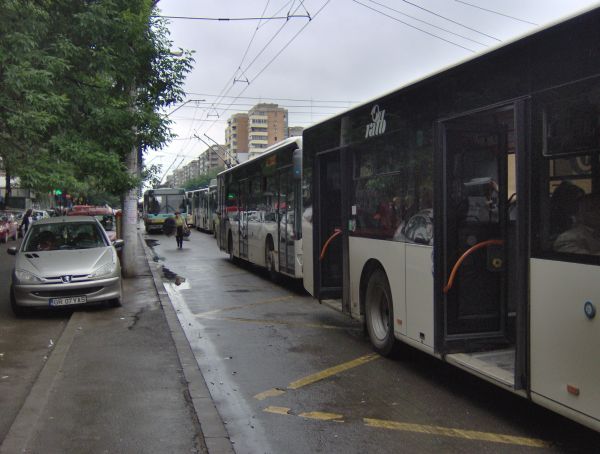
(65, 261)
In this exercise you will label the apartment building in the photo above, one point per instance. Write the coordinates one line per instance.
(211, 158)
(267, 125)
(236, 135)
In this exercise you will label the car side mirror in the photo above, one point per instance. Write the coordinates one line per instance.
(12, 250)
(118, 244)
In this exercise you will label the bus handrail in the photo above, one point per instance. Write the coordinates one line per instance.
(335, 233)
(462, 258)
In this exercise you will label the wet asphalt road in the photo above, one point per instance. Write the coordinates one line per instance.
(24, 346)
(290, 375)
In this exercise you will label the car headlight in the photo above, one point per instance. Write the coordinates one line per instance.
(104, 270)
(25, 277)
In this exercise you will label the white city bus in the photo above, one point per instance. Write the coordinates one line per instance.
(259, 205)
(207, 207)
(457, 215)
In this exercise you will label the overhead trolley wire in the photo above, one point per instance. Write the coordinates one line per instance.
(429, 23)
(228, 87)
(495, 12)
(269, 63)
(233, 19)
(416, 28)
(450, 20)
(275, 99)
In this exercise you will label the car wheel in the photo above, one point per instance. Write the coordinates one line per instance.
(19, 311)
(379, 313)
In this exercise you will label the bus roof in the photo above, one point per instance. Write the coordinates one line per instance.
(268, 151)
(461, 62)
(165, 191)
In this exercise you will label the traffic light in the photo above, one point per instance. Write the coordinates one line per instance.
(57, 192)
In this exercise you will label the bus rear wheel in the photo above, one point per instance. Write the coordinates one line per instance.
(379, 313)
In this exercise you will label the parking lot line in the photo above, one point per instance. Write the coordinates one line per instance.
(273, 392)
(332, 371)
(277, 410)
(281, 322)
(245, 306)
(456, 433)
(322, 416)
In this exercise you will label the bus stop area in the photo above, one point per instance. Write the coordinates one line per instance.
(288, 374)
(206, 355)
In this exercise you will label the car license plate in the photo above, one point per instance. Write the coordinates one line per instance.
(67, 301)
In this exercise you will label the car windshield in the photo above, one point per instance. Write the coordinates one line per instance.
(61, 236)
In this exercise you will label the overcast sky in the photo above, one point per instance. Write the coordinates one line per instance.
(349, 52)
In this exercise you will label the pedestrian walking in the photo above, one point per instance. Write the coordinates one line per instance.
(181, 228)
(26, 222)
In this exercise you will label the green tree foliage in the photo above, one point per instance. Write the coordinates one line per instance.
(81, 84)
(202, 181)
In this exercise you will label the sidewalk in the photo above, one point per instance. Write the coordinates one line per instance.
(121, 380)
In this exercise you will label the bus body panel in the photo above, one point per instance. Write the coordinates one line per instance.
(564, 341)
(419, 293)
(390, 255)
(409, 269)
(307, 251)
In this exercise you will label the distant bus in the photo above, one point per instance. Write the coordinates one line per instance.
(193, 206)
(259, 203)
(160, 204)
(207, 208)
(457, 215)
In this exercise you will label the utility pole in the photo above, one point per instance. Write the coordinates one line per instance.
(129, 219)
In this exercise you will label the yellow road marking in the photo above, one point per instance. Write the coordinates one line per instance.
(269, 301)
(456, 433)
(273, 392)
(277, 410)
(332, 371)
(322, 416)
(281, 322)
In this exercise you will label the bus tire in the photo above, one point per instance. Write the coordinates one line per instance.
(379, 313)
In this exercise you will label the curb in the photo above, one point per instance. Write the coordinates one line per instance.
(25, 424)
(215, 435)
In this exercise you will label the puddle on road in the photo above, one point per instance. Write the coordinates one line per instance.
(178, 280)
(151, 243)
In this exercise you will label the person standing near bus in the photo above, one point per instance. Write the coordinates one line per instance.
(26, 222)
(181, 227)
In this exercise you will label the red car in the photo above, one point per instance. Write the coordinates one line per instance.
(103, 214)
(9, 227)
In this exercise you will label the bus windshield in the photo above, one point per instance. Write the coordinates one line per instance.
(167, 204)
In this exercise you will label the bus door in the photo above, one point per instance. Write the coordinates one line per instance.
(243, 217)
(478, 188)
(328, 253)
(286, 205)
